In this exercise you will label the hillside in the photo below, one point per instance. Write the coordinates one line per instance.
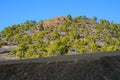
(61, 36)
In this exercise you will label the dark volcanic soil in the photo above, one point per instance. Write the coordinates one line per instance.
(104, 68)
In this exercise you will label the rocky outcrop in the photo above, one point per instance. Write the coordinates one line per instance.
(99, 66)
(7, 48)
(4, 52)
(54, 21)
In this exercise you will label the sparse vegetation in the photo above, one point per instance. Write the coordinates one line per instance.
(62, 36)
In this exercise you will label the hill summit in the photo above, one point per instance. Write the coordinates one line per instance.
(61, 36)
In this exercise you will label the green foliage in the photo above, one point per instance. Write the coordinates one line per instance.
(93, 47)
(13, 51)
(94, 18)
(54, 35)
(26, 39)
(40, 26)
(29, 24)
(111, 48)
(1, 43)
(82, 34)
(69, 17)
(20, 51)
(59, 47)
(17, 38)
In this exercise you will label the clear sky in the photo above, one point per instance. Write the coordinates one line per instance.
(18, 11)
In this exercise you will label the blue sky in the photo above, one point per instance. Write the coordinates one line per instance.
(18, 11)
